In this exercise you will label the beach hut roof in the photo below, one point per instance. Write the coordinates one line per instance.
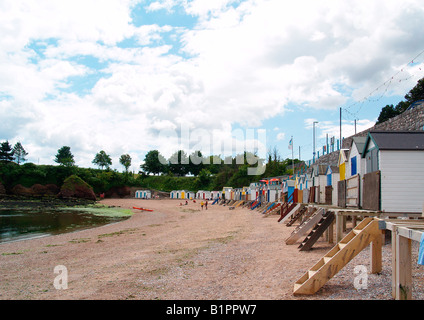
(396, 140)
(360, 142)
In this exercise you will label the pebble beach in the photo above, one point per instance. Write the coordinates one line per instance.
(183, 252)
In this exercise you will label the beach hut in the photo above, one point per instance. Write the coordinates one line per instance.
(394, 171)
(237, 194)
(180, 194)
(289, 185)
(226, 193)
(342, 163)
(190, 195)
(244, 193)
(319, 182)
(354, 175)
(216, 194)
(333, 177)
(204, 195)
(174, 194)
(253, 191)
(143, 194)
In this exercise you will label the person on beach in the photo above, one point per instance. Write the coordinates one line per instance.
(201, 204)
(206, 205)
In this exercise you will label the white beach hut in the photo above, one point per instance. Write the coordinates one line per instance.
(143, 194)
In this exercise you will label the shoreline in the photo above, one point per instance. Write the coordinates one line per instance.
(181, 253)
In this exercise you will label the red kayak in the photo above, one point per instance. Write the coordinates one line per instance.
(142, 209)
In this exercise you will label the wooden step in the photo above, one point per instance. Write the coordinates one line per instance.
(297, 215)
(317, 231)
(289, 213)
(305, 227)
(343, 252)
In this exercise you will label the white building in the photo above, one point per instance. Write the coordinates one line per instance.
(143, 194)
(396, 161)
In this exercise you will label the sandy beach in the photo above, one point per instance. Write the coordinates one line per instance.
(182, 252)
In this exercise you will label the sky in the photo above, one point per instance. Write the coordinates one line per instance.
(222, 76)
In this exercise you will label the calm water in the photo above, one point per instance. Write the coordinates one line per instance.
(23, 224)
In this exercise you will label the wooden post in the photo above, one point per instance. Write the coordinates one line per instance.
(339, 227)
(403, 268)
(394, 272)
(331, 233)
(376, 253)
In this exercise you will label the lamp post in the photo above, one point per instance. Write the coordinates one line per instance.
(314, 141)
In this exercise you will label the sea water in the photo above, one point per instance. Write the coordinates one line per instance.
(20, 224)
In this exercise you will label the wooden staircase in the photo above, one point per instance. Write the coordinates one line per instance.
(268, 208)
(274, 209)
(298, 214)
(239, 204)
(287, 210)
(354, 242)
(326, 219)
(305, 226)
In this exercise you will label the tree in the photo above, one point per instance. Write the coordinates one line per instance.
(415, 94)
(6, 152)
(102, 159)
(195, 163)
(19, 153)
(386, 113)
(154, 162)
(64, 157)
(203, 179)
(125, 160)
(179, 163)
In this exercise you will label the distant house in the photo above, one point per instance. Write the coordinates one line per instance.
(227, 193)
(394, 171)
(331, 191)
(342, 163)
(181, 194)
(216, 194)
(356, 162)
(190, 195)
(143, 194)
(201, 194)
(174, 194)
(253, 191)
(354, 173)
(319, 181)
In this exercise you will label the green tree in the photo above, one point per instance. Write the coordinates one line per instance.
(203, 179)
(125, 160)
(195, 163)
(154, 163)
(215, 164)
(19, 153)
(179, 163)
(64, 157)
(386, 113)
(102, 159)
(416, 93)
(6, 152)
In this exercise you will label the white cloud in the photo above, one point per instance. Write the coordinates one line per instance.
(244, 62)
(281, 136)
